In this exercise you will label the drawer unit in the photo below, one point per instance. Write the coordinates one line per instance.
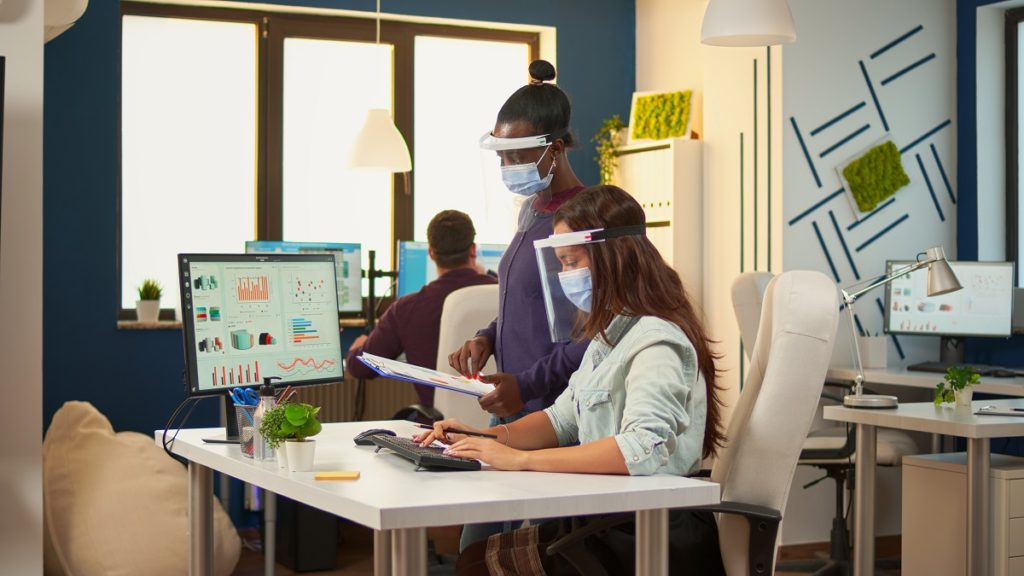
(935, 515)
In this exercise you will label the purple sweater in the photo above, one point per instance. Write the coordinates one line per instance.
(412, 325)
(522, 341)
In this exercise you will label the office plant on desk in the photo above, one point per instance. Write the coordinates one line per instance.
(292, 423)
(956, 387)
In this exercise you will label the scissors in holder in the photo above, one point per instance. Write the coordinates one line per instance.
(244, 396)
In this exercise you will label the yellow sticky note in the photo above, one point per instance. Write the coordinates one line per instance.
(337, 475)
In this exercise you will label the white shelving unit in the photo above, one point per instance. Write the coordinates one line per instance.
(666, 177)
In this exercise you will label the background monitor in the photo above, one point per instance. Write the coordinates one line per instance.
(983, 307)
(250, 316)
(416, 269)
(347, 262)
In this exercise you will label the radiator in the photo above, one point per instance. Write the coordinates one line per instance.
(337, 402)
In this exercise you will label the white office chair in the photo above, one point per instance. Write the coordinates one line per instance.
(465, 311)
(767, 429)
(828, 447)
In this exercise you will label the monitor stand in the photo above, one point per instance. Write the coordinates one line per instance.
(230, 421)
(951, 350)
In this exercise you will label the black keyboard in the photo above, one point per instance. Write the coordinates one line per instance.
(430, 457)
(941, 367)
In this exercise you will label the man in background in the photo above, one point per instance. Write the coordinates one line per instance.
(412, 324)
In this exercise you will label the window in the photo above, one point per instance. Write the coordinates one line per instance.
(1014, 141)
(237, 125)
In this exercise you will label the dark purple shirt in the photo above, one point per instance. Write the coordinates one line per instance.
(520, 334)
(412, 325)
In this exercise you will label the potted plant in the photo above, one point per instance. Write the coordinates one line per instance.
(956, 388)
(147, 307)
(608, 139)
(292, 423)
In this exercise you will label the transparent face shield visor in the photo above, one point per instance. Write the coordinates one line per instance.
(566, 282)
(516, 172)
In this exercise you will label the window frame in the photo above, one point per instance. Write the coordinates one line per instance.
(1013, 20)
(272, 29)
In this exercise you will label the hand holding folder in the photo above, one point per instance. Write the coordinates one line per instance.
(419, 375)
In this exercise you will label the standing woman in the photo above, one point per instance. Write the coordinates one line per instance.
(531, 137)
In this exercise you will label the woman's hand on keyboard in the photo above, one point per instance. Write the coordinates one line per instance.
(441, 434)
(496, 455)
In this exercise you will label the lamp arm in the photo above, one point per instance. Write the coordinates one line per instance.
(850, 298)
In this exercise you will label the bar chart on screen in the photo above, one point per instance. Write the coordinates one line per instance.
(252, 288)
(301, 330)
(236, 374)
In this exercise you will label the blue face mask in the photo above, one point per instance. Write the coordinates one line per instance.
(577, 287)
(524, 179)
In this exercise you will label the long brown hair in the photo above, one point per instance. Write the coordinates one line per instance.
(629, 275)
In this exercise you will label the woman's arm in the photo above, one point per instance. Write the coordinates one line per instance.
(599, 457)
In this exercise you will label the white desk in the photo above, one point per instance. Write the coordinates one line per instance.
(399, 502)
(926, 417)
(912, 379)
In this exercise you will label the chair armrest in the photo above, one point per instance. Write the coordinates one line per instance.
(764, 529)
(412, 411)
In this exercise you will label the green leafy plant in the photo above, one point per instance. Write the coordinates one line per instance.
(875, 176)
(607, 139)
(150, 290)
(660, 116)
(957, 378)
(290, 421)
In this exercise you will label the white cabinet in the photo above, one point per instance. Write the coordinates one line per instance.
(665, 176)
(935, 515)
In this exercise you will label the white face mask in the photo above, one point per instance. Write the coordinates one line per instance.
(524, 179)
(576, 284)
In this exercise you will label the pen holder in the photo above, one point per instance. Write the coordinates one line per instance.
(246, 428)
(873, 351)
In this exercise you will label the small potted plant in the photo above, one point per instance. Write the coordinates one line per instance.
(292, 423)
(608, 140)
(147, 307)
(956, 388)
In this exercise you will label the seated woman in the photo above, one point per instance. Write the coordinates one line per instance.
(644, 400)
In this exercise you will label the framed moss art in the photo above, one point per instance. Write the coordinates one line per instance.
(659, 115)
(873, 176)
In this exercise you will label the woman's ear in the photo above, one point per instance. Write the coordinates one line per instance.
(557, 147)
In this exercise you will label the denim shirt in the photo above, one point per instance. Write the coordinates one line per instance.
(646, 391)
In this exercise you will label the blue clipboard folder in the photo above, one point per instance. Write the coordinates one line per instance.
(418, 375)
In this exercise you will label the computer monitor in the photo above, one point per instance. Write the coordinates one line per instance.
(416, 269)
(347, 262)
(248, 316)
(984, 307)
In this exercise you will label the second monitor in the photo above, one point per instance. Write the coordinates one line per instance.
(347, 265)
(416, 269)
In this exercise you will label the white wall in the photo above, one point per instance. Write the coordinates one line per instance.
(668, 50)
(21, 297)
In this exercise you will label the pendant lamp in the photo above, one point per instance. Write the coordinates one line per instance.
(379, 145)
(747, 23)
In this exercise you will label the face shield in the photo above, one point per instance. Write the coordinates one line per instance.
(563, 261)
(518, 165)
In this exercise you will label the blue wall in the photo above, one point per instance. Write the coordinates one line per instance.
(135, 377)
(1008, 352)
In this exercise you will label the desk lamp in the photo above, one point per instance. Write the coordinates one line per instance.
(941, 280)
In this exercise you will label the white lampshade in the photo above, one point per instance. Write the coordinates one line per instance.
(59, 15)
(379, 145)
(747, 23)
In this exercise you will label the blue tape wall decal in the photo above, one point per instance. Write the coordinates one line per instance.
(885, 204)
(860, 327)
(817, 130)
(925, 136)
(895, 42)
(842, 242)
(819, 204)
(807, 155)
(821, 242)
(931, 190)
(895, 340)
(908, 68)
(883, 232)
(874, 97)
(945, 179)
(856, 133)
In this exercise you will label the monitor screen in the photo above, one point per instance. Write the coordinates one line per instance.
(246, 317)
(347, 260)
(416, 269)
(982, 308)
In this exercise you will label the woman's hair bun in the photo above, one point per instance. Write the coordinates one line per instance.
(542, 71)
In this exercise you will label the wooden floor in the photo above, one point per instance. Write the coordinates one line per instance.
(355, 553)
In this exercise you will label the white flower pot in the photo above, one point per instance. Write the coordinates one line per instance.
(282, 457)
(963, 397)
(147, 311)
(300, 454)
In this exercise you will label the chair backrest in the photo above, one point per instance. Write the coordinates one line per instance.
(780, 396)
(747, 295)
(465, 311)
